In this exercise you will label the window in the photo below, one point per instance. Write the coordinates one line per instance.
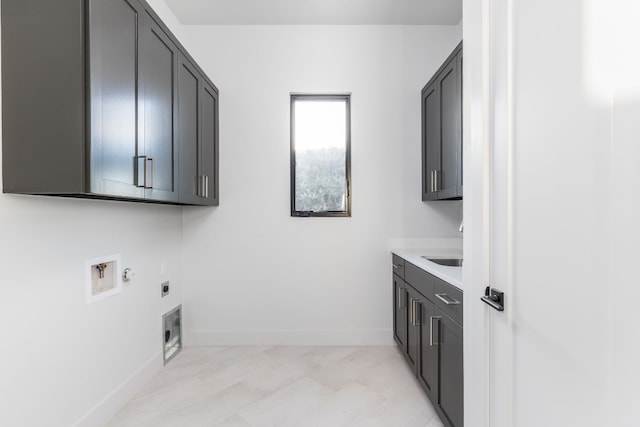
(320, 155)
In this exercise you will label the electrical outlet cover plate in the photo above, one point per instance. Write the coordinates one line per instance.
(98, 288)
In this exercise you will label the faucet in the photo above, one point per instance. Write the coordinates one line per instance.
(461, 229)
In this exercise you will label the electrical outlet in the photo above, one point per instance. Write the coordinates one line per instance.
(165, 289)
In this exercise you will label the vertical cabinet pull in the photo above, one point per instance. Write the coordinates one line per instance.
(432, 182)
(399, 297)
(414, 312)
(203, 186)
(153, 173)
(431, 319)
(141, 180)
(436, 184)
(145, 169)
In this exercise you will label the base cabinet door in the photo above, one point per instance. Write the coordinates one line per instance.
(451, 370)
(429, 350)
(400, 312)
(414, 300)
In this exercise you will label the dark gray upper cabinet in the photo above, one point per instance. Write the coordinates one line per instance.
(198, 107)
(442, 131)
(91, 103)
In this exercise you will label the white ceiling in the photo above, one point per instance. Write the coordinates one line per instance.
(311, 12)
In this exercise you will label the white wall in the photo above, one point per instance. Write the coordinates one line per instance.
(63, 361)
(253, 274)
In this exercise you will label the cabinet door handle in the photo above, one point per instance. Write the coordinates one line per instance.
(399, 297)
(200, 186)
(141, 167)
(414, 312)
(436, 184)
(411, 311)
(396, 266)
(431, 319)
(206, 186)
(432, 182)
(447, 299)
(153, 172)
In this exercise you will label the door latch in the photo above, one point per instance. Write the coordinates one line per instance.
(494, 298)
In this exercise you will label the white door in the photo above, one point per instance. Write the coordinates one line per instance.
(551, 188)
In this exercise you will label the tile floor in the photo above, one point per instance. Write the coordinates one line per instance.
(282, 387)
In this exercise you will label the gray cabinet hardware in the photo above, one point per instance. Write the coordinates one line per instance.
(431, 319)
(447, 299)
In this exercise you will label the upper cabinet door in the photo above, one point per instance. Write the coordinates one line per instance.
(189, 131)
(442, 131)
(209, 162)
(451, 124)
(114, 90)
(430, 140)
(158, 132)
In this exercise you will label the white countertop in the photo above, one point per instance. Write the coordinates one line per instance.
(452, 275)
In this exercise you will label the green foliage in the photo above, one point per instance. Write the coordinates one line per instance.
(321, 180)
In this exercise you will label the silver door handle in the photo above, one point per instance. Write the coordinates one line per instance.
(142, 167)
(399, 297)
(433, 187)
(431, 344)
(447, 299)
(200, 186)
(396, 266)
(153, 173)
(436, 183)
(206, 186)
(414, 310)
(411, 314)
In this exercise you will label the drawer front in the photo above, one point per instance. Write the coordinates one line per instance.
(397, 265)
(448, 298)
(419, 279)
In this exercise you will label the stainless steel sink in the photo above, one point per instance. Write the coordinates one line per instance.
(450, 262)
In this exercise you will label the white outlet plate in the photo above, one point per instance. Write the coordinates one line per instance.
(98, 288)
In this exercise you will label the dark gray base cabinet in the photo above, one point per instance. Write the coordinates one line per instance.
(442, 131)
(429, 334)
(91, 97)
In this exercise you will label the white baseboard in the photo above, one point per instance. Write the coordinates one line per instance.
(288, 337)
(100, 414)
